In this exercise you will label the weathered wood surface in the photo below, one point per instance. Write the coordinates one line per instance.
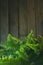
(4, 19)
(31, 15)
(13, 17)
(19, 17)
(0, 20)
(23, 28)
(39, 17)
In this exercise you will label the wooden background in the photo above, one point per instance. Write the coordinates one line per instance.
(18, 17)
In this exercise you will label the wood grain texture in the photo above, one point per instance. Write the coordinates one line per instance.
(31, 15)
(23, 26)
(4, 19)
(19, 17)
(0, 20)
(13, 15)
(39, 16)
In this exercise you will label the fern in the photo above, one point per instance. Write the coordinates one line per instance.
(17, 52)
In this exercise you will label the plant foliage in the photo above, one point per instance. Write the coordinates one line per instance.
(17, 52)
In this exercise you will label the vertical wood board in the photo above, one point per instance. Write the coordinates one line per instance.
(4, 19)
(13, 14)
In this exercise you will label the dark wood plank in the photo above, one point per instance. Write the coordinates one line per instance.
(4, 19)
(39, 16)
(0, 20)
(13, 17)
(23, 23)
(31, 15)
